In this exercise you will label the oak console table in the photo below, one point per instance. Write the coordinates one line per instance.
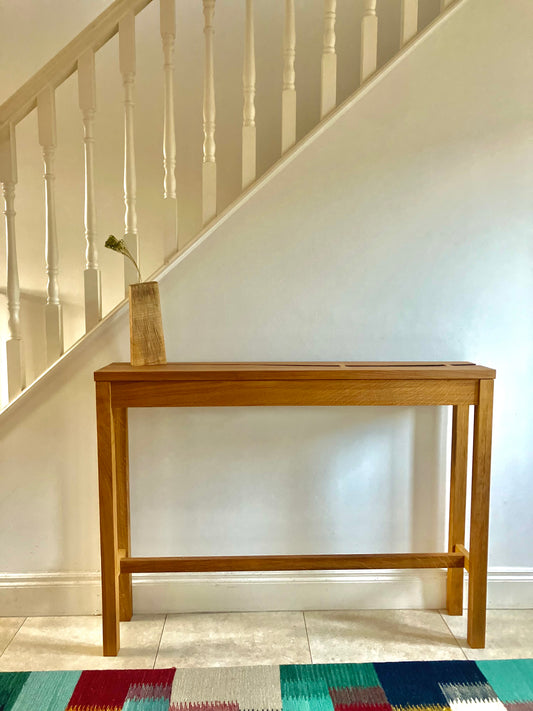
(120, 386)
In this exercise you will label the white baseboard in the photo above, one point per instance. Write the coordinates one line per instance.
(40, 594)
(510, 589)
(50, 594)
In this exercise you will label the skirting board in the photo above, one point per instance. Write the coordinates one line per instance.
(42, 594)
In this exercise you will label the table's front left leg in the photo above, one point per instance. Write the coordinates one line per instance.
(120, 418)
(479, 519)
(107, 485)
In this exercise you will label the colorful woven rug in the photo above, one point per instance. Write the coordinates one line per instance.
(424, 686)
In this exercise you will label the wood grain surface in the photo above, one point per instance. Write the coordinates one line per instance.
(121, 385)
(292, 562)
(249, 393)
(479, 517)
(147, 342)
(107, 487)
(456, 533)
(297, 371)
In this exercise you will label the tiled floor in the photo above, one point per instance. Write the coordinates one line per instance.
(248, 638)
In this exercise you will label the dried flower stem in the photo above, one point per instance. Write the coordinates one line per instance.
(118, 245)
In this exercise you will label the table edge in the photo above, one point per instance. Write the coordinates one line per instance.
(326, 370)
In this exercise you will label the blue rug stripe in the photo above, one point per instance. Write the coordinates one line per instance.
(419, 683)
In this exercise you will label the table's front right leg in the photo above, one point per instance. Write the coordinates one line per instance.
(107, 485)
(479, 518)
(456, 536)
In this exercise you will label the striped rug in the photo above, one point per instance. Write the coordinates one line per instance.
(424, 686)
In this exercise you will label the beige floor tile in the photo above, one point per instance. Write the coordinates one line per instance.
(8, 629)
(44, 643)
(379, 636)
(509, 634)
(233, 639)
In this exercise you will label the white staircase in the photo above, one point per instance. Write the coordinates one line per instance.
(171, 228)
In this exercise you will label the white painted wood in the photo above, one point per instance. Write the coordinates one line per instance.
(65, 593)
(65, 63)
(91, 275)
(288, 96)
(248, 112)
(294, 590)
(167, 22)
(126, 36)
(409, 21)
(369, 40)
(46, 116)
(168, 36)
(16, 377)
(209, 167)
(328, 99)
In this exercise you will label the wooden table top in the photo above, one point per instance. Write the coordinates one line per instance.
(437, 370)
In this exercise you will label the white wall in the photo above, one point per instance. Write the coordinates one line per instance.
(401, 233)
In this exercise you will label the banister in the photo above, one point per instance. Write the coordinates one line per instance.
(60, 67)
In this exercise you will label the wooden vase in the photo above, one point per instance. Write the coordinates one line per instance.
(147, 342)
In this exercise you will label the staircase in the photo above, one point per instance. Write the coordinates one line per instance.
(182, 207)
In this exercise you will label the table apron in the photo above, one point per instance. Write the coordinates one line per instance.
(294, 393)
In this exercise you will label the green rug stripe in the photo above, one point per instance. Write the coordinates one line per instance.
(511, 679)
(10, 687)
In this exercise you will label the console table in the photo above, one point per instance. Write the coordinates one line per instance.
(120, 386)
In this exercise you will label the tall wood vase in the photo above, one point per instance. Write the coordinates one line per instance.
(147, 342)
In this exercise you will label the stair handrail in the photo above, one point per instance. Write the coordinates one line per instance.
(65, 62)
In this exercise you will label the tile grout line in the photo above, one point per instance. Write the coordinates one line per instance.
(160, 638)
(13, 637)
(452, 634)
(307, 635)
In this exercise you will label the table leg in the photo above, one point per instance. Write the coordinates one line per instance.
(456, 535)
(107, 484)
(479, 519)
(120, 418)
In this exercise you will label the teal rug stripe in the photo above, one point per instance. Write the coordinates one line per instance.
(511, 679)
(333, 675)
(146, 705)
(47, 691)
(322, 703)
